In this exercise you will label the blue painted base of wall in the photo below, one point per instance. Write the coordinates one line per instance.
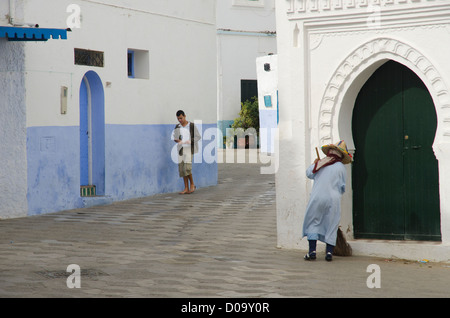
(138, 163)
(268, 122)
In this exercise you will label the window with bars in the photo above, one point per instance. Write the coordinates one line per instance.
(89, 58)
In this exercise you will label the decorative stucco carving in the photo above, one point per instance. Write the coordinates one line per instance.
(322, 6)
(364, 56)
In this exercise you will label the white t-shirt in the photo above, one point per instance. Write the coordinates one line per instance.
(185, 134)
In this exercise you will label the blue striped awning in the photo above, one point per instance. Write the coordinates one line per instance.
(31, 34)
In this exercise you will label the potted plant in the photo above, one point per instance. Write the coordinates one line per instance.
(229, 142)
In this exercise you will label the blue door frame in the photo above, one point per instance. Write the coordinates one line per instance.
(92, 132)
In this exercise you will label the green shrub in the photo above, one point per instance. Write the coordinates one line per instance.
(248, 115)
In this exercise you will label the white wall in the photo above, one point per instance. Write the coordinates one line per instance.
(180, 37)
(177, 37)
(268, 114)
(243, 34)
(231, 15)
(13, 173)
(238, 54)
(322, 66)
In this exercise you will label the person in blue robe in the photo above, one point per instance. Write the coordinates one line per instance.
(323, 212)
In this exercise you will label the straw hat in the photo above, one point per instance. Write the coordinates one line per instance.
(342, 148)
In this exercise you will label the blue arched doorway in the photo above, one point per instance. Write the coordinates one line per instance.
(92, 134)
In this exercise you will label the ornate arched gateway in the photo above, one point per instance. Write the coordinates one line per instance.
(340, 94)
(395, 173)
(337, 110)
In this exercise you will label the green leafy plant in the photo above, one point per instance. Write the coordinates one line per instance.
(248, 115)
(247, 124)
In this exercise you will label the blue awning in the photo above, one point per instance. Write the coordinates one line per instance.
(31, 34)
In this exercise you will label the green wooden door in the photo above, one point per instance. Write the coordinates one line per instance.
(395, 172)
(249, 89)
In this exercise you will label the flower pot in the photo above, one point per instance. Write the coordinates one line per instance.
(241, 143)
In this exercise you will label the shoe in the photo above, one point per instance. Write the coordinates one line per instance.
(329, 257)
(310, 257)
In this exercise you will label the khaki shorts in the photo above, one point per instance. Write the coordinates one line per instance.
(184, 169)
(185, 165)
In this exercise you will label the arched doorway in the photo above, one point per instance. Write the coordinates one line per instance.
(395, 173)
(92, 135)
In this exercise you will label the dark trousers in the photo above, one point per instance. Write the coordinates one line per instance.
(313, 246)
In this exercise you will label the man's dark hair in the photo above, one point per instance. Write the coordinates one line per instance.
(180, 112)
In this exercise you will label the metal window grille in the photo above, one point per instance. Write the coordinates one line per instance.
(87, 191)
(89, 58)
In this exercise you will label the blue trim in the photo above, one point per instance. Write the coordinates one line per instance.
(84, 139)
(278, 109)
(97, 132)
(130, 64)
(268, 120)
(31, 34)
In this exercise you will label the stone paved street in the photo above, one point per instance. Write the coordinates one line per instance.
(217, 242)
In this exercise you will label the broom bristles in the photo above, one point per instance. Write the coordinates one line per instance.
(342, 248)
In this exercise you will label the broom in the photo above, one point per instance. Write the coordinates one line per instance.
(342, 248)
(317, 152)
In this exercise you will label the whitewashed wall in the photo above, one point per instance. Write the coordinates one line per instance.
(268, 110)
(180, 37)
(13, 177)
(177, 36)
(244, 32)
(322, 67)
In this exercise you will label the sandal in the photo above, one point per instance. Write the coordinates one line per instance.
(192, 191)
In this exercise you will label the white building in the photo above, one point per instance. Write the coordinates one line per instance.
(245, 31)
(98, 108)
(376, 74)
(267, 75)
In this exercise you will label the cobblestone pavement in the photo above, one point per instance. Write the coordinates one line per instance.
(217, 242)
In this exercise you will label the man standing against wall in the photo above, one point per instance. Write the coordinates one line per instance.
(186, 136)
